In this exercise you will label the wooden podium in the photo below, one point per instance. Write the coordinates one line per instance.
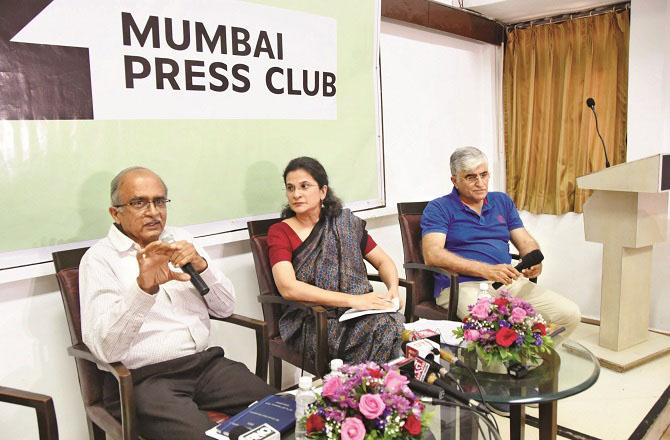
(627, 213)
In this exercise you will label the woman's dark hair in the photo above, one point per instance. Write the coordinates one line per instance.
(332, 205)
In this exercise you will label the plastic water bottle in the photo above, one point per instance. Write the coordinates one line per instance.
(335, 366)
(303, 397)
(483, 290)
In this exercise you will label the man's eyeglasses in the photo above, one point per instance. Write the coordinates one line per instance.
(473, 178)
(302, 186)
(140, 204)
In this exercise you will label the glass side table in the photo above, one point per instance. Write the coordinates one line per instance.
(566, 371)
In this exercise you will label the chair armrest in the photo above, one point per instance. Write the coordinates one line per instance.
(43, 405)
(274, 299)
(244, 321)
(401, 281)
(434, 269)
(262, 339)
(453, 290)
(321, 326)
(123, 377)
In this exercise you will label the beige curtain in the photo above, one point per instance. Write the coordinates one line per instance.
(550, 138)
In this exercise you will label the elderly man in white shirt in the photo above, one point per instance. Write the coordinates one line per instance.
(137, 309)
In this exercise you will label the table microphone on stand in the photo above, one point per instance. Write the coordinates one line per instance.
(591, 103)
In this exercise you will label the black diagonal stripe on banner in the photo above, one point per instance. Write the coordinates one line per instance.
(40, 81)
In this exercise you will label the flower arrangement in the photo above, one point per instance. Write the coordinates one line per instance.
(505, 329)
(365, 401)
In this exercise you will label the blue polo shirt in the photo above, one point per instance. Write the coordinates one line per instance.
(477, 237)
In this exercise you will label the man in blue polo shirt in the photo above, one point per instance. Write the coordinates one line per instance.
(468, 232)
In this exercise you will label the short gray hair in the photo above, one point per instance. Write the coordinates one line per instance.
(466, 159)
(116, 182)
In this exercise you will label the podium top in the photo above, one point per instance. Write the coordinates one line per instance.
(651, 175)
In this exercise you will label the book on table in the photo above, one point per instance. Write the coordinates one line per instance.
(276, 410)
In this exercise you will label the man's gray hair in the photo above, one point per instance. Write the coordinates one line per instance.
(466, 159)
(116, 182)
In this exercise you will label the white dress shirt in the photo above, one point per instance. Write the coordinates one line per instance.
(121, 322)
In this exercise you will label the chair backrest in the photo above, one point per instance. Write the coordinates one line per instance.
(68, 259)
(258, 232)
(67, 267)
(67, 273)
(68, 282)
(409, 217)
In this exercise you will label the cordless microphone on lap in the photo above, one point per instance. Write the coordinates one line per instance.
(529, 260)
(188, 268)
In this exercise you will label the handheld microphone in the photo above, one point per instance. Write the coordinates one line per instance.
(447, 355)
(438, 369)
(196, 279)
(591, 103)
(434, 379)
(423, 388)
(455, 395)
(529, 260)
(434, 366)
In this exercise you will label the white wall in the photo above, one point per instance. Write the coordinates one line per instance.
(440, 92)
(649, 119)
(649, 79)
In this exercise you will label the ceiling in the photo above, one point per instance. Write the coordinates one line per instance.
(515, 11)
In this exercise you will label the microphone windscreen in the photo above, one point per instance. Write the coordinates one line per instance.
(590, 103)
(530, 259)
(166, 237)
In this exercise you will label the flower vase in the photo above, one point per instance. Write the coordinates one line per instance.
(493, 367)
(500, 368)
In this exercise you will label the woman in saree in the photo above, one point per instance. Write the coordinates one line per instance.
(317, 256)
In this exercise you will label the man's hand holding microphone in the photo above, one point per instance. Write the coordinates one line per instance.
(154, 269)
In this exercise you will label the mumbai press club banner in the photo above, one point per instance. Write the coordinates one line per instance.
(214, 95)
(201, 59)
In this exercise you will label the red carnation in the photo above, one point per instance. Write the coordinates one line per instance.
(505, 337)
(539, 327)
(501, 302)
(315, 423)
(374, 373)
(412, 425)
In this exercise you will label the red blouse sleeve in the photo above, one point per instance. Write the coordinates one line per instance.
(369, 245)
(279, 244)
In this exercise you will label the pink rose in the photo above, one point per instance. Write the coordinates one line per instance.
(371, 405)
(330, 386)
(518, 315)
(352, 429)
(480, 310)
(471, 335)
(395, 381)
